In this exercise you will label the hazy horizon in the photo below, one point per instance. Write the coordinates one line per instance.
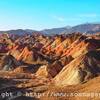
(47, 14)
(48, 28)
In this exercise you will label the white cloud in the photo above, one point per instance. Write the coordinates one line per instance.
(66, 19)
(89, 15)
(74, 18)
(59, 18)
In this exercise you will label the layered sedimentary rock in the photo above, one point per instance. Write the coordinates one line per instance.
(81, 69)
(38, 63)
(50, 70)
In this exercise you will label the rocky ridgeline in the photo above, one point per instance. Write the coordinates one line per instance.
(61, 60)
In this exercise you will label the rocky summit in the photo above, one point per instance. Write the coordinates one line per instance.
(39, 66)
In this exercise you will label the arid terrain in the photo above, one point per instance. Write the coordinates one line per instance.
(41, 67)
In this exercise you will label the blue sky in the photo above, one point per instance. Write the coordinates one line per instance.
(41, 14)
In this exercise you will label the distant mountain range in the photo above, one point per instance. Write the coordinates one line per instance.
(83, 28)
(56, 30)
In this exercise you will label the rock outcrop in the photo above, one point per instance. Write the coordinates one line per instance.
(39, 63)
(80, 70)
